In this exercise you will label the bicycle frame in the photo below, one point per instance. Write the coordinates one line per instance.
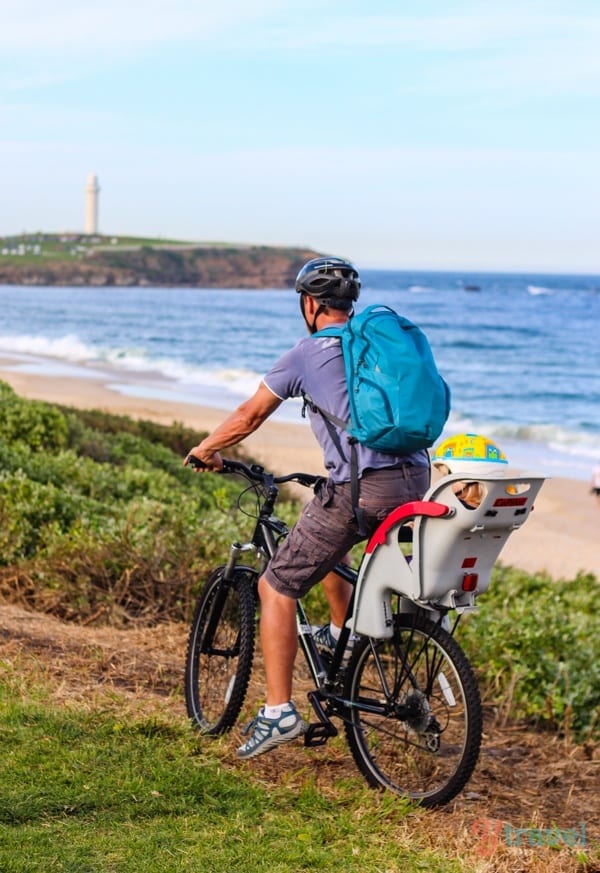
(325, 674)
(267, 532)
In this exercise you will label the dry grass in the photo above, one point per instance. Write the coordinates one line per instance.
(524, 778)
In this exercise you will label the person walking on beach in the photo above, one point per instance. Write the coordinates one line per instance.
(327, 527)
(595, 483)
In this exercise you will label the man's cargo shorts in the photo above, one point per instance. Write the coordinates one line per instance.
(327, 530)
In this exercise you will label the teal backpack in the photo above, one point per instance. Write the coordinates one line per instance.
(399, 403)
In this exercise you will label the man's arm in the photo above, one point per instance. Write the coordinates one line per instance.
(241, 423)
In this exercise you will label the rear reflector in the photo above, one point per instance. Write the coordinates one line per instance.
(470, 581)
(510, 501)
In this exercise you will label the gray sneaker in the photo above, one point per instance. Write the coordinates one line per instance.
(270, 732)
(326, 642)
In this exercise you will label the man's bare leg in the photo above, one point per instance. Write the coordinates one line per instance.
(338, 593)
(278, 634)
(279, 641)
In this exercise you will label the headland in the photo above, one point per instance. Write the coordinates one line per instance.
(72, 259)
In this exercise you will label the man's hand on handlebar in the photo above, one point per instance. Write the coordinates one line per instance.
(203, 462)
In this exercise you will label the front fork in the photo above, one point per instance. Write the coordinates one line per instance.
(235, 551)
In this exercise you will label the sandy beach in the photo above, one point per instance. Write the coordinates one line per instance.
(560, 538)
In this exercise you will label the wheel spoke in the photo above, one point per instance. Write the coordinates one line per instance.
(220, 652)
(425, 741)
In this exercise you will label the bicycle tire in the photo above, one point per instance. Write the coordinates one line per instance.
(220, 651)
(431, 755)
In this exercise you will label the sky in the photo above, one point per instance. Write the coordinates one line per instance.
(411, 135)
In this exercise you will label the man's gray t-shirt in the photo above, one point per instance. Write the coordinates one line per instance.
(315, 366)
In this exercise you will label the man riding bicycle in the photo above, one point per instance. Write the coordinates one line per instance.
(327, 527)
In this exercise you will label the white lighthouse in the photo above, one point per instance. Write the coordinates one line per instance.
(92, 190)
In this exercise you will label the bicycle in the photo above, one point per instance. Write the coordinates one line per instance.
(407, 697)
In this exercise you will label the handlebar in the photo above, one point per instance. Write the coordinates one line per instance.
(256, 473)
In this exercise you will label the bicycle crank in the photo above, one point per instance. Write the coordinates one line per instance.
(319, 732)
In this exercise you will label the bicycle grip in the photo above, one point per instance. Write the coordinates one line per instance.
(196, 463)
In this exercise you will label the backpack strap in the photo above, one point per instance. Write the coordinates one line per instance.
(359, 514)
(329, 420)
(327, 331)
(328, 417)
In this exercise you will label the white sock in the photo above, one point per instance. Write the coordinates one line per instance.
(334, 630)
(275, 711)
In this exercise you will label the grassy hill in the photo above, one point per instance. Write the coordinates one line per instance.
(75, 259)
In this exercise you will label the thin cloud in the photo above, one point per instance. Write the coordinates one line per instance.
(33, 25)
(43, 45)
(528, 48)
(460, 27)
(537, 49)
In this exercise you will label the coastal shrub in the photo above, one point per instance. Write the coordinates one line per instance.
(122, 533)
(39, 425)
(139, 560)
(83, 477)
(123, 560)
(30, 512)
(85, 424)
(136, 570)
(535, 643)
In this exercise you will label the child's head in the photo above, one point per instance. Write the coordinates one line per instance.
(469, 493)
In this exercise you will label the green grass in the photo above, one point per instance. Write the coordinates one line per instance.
(71, 247)
(97, 792)
(76, 247)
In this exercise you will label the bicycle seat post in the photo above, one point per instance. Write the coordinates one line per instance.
(307, 643)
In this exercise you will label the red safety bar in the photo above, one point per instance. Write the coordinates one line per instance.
(407, 510)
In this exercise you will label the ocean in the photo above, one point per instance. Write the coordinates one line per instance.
(520, 352)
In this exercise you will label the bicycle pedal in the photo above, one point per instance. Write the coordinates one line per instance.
(318, 733)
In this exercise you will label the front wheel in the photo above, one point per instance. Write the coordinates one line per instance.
(220, 650)
(415, 719)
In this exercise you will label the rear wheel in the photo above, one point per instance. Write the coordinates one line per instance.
(220, 650)
(415, 718)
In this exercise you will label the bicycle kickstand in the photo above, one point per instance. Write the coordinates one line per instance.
(319, 732)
